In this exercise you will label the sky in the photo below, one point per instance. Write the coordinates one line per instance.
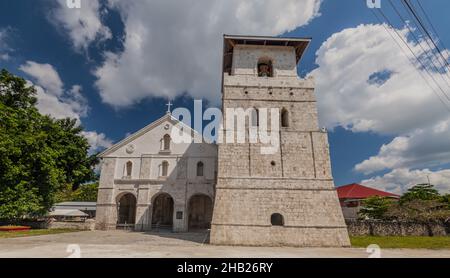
(113, 65)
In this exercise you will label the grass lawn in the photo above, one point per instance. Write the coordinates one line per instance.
(36, 232)
(439, 242)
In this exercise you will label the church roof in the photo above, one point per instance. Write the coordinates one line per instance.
(300, 45)
(166, 117)
(358, 191)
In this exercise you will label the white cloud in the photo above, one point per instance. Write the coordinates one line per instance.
(98, 141)
(4, 48)
(45, 75)
(400, 180)
(83, 25)
(53, 100)
(422, 148)
(365, 83)
(401, 104)
(174, 47)
(59, 108)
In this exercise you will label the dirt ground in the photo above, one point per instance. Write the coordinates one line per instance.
(121, 244)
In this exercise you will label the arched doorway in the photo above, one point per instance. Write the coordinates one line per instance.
(200, 212)
(126, 214)
(162, 211)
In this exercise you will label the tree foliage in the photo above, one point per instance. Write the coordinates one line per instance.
(420, 192)
(84, 193)
(375, 207)
(38, 154)
(421, 203)
(418, 210)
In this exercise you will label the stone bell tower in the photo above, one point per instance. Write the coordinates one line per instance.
(286, 197)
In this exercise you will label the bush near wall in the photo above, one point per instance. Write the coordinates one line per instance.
(395, 228)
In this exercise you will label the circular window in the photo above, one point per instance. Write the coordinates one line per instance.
(272, 163)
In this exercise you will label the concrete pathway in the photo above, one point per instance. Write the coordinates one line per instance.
(121, 244)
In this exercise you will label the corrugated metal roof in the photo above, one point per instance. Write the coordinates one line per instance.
(358, 191)
(86, 206)
(68, 212)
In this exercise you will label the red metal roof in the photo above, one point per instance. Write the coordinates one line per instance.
(357, 191)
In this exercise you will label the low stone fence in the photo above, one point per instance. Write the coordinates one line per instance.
(88, 225)
(391, 228)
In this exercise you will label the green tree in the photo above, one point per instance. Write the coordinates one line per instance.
(375, 207)
(446, 200)
(84, 193)
(420, 192)
(419, 211)
(421, 203)
(38, 154)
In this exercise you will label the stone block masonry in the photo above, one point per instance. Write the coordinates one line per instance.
(286, 198)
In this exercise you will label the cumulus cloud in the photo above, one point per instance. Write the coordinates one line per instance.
(352, 96)
(53, 100)
(174, 47)
(422, 148)
(365, 83)
(83, 25)
(400, 180)
(98, 141)
(45, 75)
(68, 107)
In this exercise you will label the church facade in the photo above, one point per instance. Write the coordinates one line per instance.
(245, 196)
(149, 182)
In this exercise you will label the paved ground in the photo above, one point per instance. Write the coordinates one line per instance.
(134, 244)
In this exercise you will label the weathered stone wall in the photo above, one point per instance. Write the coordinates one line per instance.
(294, 181)
(390, 228)
(106, 215)
(88, 225)
(145, 182)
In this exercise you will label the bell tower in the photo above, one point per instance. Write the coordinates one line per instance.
(287, 196)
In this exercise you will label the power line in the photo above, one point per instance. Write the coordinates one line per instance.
(431, 24)
(408, 57)
(420, 27)
(413, 11)
(428, 53)
(415, 56)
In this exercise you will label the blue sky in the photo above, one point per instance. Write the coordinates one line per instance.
(112, 60)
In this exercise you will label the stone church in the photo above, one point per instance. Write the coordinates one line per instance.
(244, 197)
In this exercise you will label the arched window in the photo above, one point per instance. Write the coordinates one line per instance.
(164, 169)
(166, 143)
(128, 168)
(200, 169)
(265, 67)
(255, 117)
(284, 118)
(277, 219)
